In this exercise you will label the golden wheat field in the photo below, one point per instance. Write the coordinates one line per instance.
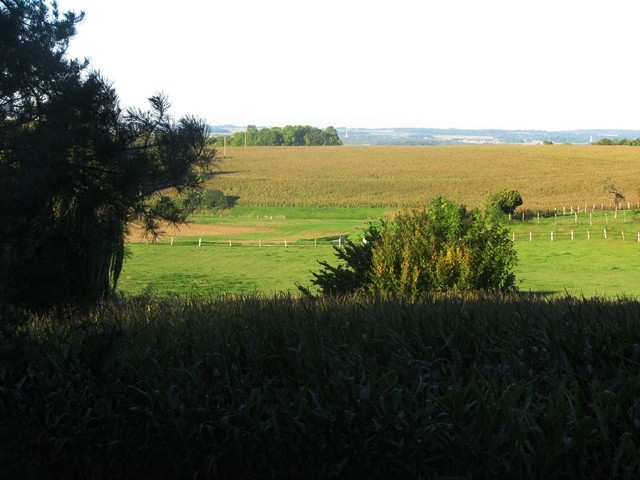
(547, 176)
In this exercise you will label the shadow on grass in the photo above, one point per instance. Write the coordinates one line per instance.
(541, 293)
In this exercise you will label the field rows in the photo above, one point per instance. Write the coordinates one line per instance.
(548, 177)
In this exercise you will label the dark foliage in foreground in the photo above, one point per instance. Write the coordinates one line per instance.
(448, 386)
(353, 272)
(76, 170)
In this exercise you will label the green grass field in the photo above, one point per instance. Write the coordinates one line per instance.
(193, 270)
(310, 196)
(587, 268)
(258, 261)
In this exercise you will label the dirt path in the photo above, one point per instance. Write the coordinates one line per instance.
(136, 235)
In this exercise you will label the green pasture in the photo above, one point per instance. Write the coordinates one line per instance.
(569, 253)
(290, 196)
(250, 261)
(191, 270)
(291, 213)
(588, 268)
(246, 249)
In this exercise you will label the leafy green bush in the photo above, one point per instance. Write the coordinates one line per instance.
(443, 247)
(214, 199)
(503, 202)
(436, 248)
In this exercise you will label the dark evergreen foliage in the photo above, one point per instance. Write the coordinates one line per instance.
(354, 273)
(75, 169)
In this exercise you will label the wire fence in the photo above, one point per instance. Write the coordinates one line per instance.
(574, 223)
(519, 236)
(576, 235)
(260, 243)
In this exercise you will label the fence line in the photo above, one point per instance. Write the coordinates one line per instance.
(574, 235)
(203, 242)
(572, 216)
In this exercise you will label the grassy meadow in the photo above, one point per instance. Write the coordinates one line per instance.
(309, 196)
(245, 255)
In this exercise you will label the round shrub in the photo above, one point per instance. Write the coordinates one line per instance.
(439, 247)
(443, 247)
(504, 201)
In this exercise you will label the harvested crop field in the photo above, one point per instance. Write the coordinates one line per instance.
(547, 176)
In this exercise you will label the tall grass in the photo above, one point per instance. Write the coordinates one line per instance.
(360, 387)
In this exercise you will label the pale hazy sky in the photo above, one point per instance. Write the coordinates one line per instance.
(543, 64)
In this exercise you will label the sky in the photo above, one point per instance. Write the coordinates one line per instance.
(474, 64)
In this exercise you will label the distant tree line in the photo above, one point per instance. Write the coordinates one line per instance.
(289, 135)
(633, 142)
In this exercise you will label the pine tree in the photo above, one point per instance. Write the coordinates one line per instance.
(75, 169)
